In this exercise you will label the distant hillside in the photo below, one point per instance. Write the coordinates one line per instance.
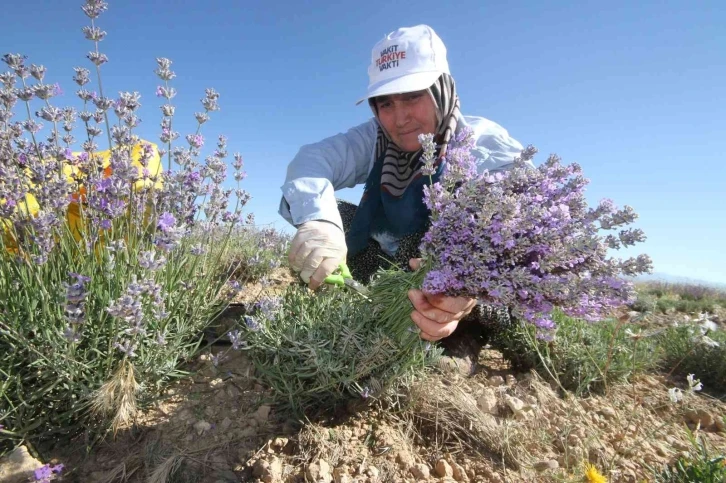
(665, 277)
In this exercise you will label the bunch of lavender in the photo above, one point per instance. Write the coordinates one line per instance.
(111, 265)
(523, 240)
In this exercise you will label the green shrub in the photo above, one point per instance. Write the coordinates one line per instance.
(254, 253)
(584, 357)
(701, 466)
(686, 350)
(644, 303)
(664, 305)
(319, 349)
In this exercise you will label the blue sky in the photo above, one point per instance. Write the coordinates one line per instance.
(633, 91)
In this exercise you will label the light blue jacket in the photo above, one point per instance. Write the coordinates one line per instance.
(344, 161)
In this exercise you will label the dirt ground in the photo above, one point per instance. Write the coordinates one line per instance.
(495, 426)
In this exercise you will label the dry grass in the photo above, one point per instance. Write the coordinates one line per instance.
(447, 415)
(117, 397)
(168, 467)
(318, 442)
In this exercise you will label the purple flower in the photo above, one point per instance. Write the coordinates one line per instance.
(268, 307)
(166, 222)
(46, 472)
(195, 140)
(151, 261)
(75, 301)
(251, 323)
(525, 239)
(235, 337)
(127, 347)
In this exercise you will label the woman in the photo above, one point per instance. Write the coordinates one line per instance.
(410, 92)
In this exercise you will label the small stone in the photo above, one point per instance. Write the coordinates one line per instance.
(720, 424)
(701, 417)
(260, 467)
(443, 468)
(607, 412)
(573, 440)
(660, 449)
(459, 473)
(373, 472)
(18, 466)
(185, 415)
(511, 380)
(319, 472)
(514, 403)
(487, 402)
(405, 459)
(545, 465)
(268, 471)
(262, 413)
(340, 474)
(202, 427)
(680, 446)
(216, 382)
(518, 407)
(225, 424)
(279, 443)
(420, 471)
(496, 381)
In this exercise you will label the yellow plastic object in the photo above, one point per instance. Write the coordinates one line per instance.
(153, 166)
(28, 208)
(74, 174)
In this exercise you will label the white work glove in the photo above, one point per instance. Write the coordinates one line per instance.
(317, 249)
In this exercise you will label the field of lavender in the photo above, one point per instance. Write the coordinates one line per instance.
(149, 331)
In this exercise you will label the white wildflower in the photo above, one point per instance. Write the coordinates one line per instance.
(675, 394)
(693, 383)
(634, 335)
(708, 342)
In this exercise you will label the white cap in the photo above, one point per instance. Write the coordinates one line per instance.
(406, 60)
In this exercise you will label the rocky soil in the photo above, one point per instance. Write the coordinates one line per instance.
(495, 426)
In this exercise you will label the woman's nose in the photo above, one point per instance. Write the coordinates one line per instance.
(401, 115)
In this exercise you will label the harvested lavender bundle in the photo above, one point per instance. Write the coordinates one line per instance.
(524, 239)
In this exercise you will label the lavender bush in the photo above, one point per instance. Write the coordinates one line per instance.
(317, 350)
(111, 264)
(254, 253)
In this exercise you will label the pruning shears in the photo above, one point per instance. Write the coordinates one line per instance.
(342, 278)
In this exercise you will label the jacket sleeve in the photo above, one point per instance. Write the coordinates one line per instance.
(495, 149)
(319, 169)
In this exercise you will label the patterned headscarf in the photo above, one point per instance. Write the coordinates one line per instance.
(400, 167)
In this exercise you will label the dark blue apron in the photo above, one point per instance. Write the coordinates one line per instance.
(381, 212)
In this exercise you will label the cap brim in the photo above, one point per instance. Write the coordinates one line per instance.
(417, 81)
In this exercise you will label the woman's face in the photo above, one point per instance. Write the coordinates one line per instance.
(405, 116)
